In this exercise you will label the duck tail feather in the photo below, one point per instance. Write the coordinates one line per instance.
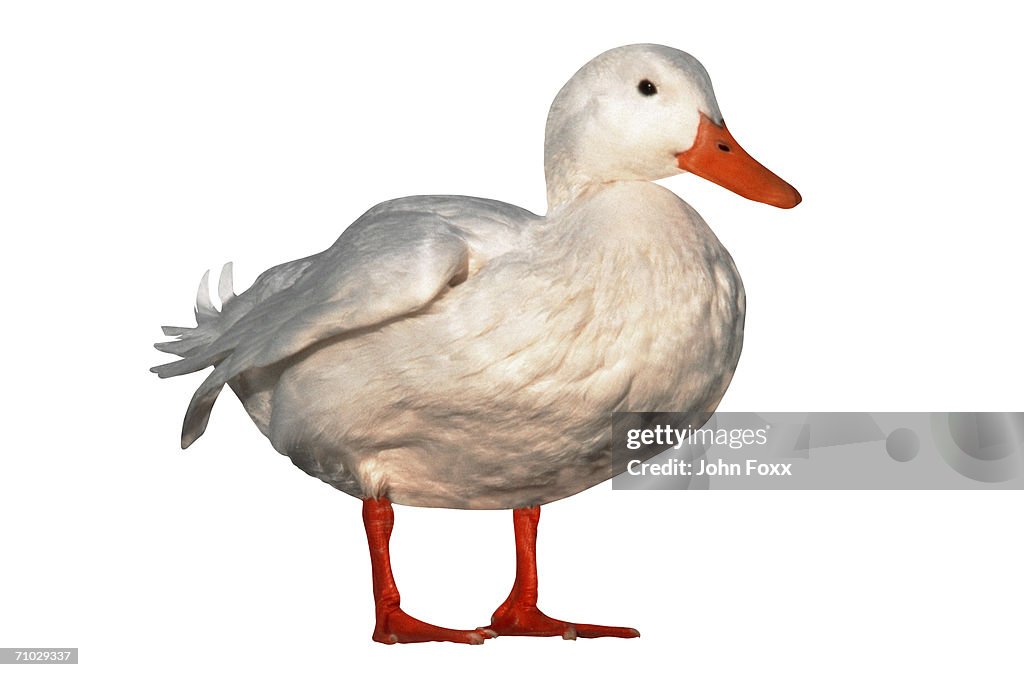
(193, 343)
(226, 285)
(197, 417)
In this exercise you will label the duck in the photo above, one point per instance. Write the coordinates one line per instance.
(460, 352)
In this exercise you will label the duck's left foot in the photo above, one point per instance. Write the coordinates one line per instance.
(529, 621)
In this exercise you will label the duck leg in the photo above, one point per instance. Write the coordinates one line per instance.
(519, 615)
(394, 625)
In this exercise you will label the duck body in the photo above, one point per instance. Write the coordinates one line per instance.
(499, 395)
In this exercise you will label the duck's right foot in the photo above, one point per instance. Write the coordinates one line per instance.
(398, 627)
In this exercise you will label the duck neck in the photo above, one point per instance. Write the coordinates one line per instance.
(565, 181)
(564, 153)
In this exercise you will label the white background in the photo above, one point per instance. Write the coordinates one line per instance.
(142, 143)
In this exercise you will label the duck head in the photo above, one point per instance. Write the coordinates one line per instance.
(645, 112)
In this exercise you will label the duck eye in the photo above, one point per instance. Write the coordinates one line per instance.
(647, 88)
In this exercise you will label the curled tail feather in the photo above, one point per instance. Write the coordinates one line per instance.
(190, 344)
(190, 341)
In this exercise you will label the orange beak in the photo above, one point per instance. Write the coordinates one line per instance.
(717, 157)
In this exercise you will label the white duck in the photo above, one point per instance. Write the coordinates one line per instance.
(465, 353)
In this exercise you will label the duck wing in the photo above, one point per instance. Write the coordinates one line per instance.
(393, 261)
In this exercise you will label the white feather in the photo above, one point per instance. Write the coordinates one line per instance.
(225, 286)
(204, 308)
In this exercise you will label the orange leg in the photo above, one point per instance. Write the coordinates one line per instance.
(519, 615)
(394, 625)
